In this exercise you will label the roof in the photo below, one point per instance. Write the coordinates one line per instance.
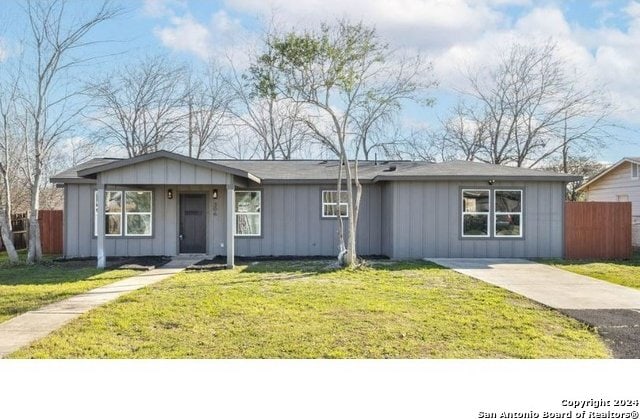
(604, 172)
(313, 171)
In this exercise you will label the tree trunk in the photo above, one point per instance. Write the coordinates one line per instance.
(34, 253)
(5, 234)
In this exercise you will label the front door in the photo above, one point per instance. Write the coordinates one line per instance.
(193, 231)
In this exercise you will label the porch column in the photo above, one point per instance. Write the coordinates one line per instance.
(102, 260)
(231, 224)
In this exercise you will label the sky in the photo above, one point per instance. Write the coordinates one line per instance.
(600, 38)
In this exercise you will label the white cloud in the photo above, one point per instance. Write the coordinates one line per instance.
(453, 34)
(162, 8)
(185, 34)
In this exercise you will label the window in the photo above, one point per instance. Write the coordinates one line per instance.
(112, 213)
(623, 198)
(330, 204)
(508, 213)
(247, 213)
(475, 212)
(635, 170)
(137, 205)
(137, 210)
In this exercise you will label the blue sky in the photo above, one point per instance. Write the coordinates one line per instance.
(601, 38)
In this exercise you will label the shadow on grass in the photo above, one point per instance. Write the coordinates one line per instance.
(49, 273)
(317, 267)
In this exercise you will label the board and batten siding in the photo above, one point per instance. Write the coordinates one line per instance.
(163, 171)
(79, 228)
(292, 223)
(427, 221)
(615, 183)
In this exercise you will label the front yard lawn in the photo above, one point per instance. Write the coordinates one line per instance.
(307, 310)
(27, 287)
(621, 272)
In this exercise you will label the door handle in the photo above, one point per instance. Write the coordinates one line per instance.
(181, 236)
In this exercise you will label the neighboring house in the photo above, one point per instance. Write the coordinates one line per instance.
(167, 204)
(618, 183)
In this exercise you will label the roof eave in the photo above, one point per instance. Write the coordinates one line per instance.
(604, 173)
(552, 178)
(166, 154)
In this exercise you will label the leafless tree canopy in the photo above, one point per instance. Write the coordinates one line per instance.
(525, 110)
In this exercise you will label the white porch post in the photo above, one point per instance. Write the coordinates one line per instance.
(102, 260)
(231, 223)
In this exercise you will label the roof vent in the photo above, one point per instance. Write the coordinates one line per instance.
(390, 169)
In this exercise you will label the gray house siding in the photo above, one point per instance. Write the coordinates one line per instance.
(292, 223)
(79, 227)
(426, 221)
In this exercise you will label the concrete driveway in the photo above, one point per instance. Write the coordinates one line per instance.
(614, 310)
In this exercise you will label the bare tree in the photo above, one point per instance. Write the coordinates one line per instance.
(48, 94)
(8, 154)
(345, 78)
(582, 165)
(272, 120)
(141, 107)
(208, 101)
(526, 109)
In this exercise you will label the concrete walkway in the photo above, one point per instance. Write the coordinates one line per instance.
(545, 284)
(33, 325)
(613, 310)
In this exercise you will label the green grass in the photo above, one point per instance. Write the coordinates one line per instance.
(27, 287)
(307, 310)
(621, 272)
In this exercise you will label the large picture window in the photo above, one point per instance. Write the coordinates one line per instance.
(112, 213)
(330, 204)
(475, 212)
(247, 213)
(508, 212)
(138, 209)
(134, 209)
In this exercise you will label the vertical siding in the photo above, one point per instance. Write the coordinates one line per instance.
(427, 222)
(386, 218)
(292, 223)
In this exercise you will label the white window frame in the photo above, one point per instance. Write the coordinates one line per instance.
(127, 213)
(95, 213)
(496, 214)
(637, 167)
(463, 213)
(328, 204)
(235, 213)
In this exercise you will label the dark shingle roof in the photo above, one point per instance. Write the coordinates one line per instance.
(71, 175)
(307, 171)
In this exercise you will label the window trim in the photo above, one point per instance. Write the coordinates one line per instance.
(127, 213)
(637, 167)
(326, 204)
(123, 233)
(463, 213)
(95, 212)
(520, 214)
(235, 212)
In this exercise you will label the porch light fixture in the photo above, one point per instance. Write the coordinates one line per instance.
(169, 193)
(215, 194)
(491, 181)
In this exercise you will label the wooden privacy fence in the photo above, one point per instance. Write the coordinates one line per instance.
(597, 230)
(50, 231)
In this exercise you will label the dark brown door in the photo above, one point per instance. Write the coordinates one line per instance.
(193, 230)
